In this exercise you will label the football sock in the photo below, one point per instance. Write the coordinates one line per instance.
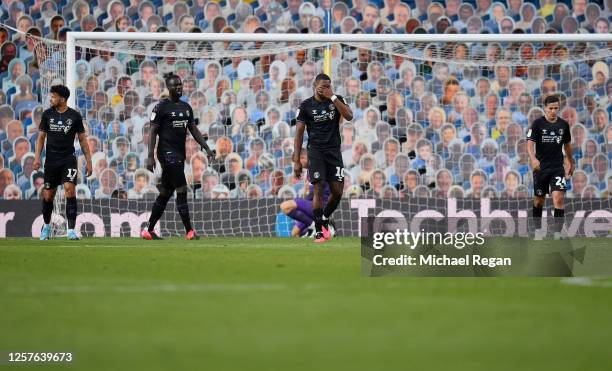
(183, 209)
(331, 206)
(318, 219)
(71, 211)
(325, 220)
(537, 217)
(47, 209)
(559, 216)
(158, 209)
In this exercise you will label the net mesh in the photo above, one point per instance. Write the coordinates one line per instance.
(59, 226)
(431, 120)
(477, 53)
(50, 56)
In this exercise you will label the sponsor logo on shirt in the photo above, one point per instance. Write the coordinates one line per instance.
(60, 126)
(179, 123)
(323, 116)
(551, 136)
(67, 126)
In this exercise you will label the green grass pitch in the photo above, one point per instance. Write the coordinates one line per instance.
(281, 304)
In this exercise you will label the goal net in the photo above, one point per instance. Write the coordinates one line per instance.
(436, 117)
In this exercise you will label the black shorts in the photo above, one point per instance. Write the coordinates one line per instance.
(60, 172)
(173, 175)
(548, 180)
(325, 164)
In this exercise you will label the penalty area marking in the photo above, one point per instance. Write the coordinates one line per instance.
(586, 282)
(177, 287)
(240, 287)
(212, 287)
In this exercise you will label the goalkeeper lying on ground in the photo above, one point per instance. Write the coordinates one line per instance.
(300, 210)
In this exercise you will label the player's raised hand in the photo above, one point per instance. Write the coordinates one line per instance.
(326, 92)
(150, 164)
(297, 169)
(88, 168)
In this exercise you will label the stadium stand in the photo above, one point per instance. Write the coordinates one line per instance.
(419, 129)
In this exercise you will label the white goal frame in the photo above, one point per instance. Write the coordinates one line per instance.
(73, 37)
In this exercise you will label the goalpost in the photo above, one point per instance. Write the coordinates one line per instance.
(396, 55)
(73, 39)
